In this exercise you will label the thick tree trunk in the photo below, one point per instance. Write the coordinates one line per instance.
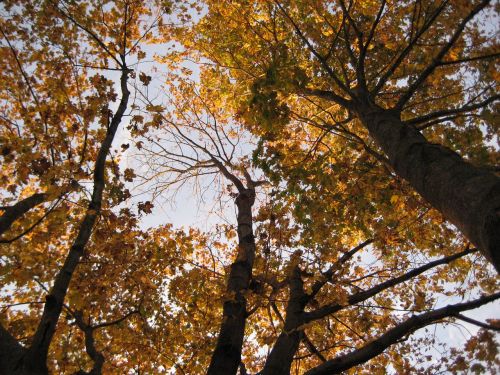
(227, 354)
(468, 196)
(280, 359)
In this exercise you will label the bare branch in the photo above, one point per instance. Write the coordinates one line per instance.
(476, 322)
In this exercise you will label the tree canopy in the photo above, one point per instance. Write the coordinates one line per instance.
(348, 151)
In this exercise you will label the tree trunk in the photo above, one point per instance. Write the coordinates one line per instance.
(227, 354)
(11, 353)
(36, 354)
(468, 196)
(280, 359)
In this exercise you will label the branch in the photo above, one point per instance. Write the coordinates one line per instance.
(91, 34)
(327, 95)
(14, 212)
(376, 347)
(20, 66)
(117, 321)
(446, 112)
(35, 224)
(469, 59)
(310, 346)
(360, 69)
(9, 348)
(437, 60)
(320, 58)
(231, 177)
(476, 322)
(438, 121)
(88, 330)
(90, 348)
(372, 31)
(362, 296)
(327, 275)
(358, 63)
(388, 74)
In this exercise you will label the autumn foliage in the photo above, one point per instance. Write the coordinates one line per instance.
(347, 151)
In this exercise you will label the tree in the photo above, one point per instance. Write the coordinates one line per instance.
(201, 138)
(386, 64)
(330, 259)
(57, 132)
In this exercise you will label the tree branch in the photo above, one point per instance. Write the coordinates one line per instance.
(90, 33)
(327, 275)
(310, 346)
(362, 296)
(54, 301)
(390, 71)
(14, 212)
(476, 322)
(116, 321)
(376, 347)
(9, 348)
(90, 348)
(469, 59)
(35, 224)
(308, 44)
(231, 177)
(447, 112)
(437, 60)
(327, 95)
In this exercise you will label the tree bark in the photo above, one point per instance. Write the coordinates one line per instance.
(468, 196)
(227, 354)
(280, 359)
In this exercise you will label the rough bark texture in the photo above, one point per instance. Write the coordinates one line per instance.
(468, 196)
(280, 359)
(227, 354)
